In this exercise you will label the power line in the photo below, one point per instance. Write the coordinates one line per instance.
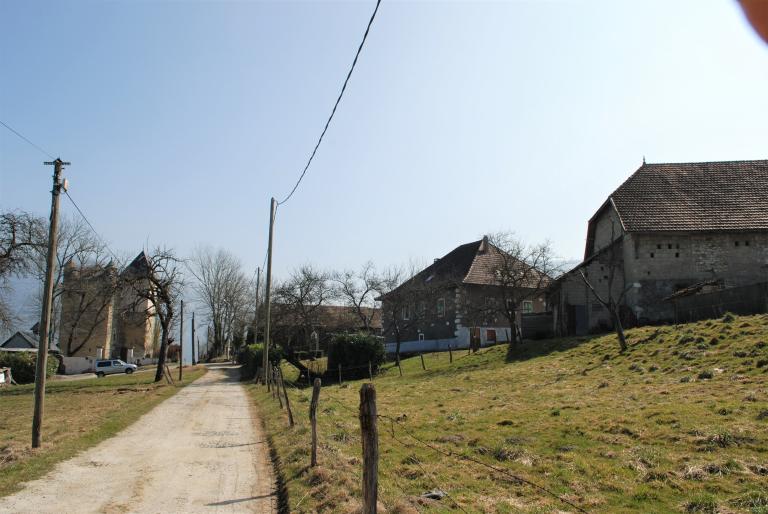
(25, 139)
(338, 100)
(91, 226)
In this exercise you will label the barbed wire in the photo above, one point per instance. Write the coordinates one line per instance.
(449, 453)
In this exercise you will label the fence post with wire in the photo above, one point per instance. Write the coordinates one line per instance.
(370, 440)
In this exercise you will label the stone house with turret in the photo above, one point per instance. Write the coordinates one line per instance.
(670, 227)
(102, 318)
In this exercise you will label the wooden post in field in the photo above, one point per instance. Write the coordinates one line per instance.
(370, 439)
(400, 368)
(450, 353)
(276, 374)
(313, 419)
(339, 373)
(423, 366)
(285, 393)
(370, 371)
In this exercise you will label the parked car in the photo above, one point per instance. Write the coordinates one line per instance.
(110, 367)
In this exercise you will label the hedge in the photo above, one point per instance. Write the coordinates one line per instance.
(251, 358)
(354, 352)
(23, 364)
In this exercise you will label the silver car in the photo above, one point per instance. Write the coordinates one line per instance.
(112, 366)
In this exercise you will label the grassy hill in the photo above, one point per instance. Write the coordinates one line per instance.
(679, 423)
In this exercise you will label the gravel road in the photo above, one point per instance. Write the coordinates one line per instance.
(199, 451)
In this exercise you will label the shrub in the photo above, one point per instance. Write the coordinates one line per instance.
(23, 364)
(354, 352)
(251, 358)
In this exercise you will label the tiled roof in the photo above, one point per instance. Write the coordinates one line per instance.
(697, 196)
(471, 263)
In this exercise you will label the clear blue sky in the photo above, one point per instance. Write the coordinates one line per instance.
(182, 119)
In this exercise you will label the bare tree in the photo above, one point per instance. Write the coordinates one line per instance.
(404, 298)
(613, 298)
(157, 285)
(224, 290)
(297, 301)
(358, 290)
(521, 272)
(22, 235)
(77, 246)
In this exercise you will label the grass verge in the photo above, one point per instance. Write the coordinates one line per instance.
(678, 423)
(78, 414)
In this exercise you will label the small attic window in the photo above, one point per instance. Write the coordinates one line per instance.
(658, 247)
(677, 254)
(652, 256)
(736, 243)
(746, 243)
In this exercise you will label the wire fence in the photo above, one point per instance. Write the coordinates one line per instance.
(397, 432)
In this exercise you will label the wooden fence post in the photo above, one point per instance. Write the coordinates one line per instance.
(285, 393)
(423, 366)
(276, 386)
(370, 371)
(339, 374)
(399, 367)
(450, 353)
(313, 419)
(370, 439)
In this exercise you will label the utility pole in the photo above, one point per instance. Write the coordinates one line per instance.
(267, 295)
(45, 316)
(256, 314)
(194, 355)
(181, 339)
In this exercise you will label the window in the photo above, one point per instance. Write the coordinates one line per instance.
(422, 308)
(527, 306)
(440, 307)
(677, 254)
(669, 246)
(651, 255)
(490, 335)
(103, 364)
(658, 247)
(406, 314)
(736, 243)
(421, 336)
(746, 243)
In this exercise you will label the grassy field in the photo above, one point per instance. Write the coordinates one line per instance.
(78, 414)
(679, 423)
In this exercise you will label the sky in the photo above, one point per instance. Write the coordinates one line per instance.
(183, 118)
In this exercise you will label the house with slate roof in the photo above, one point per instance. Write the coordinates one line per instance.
(667, 228)
(451, 303)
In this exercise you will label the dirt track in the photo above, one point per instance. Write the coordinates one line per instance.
(199, 451)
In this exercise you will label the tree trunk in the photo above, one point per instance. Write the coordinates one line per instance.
(619, 329)
(397, 349)
(161, 357)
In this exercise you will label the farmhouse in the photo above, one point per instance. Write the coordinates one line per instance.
(102, 318)
(668, 228)
(457, 301)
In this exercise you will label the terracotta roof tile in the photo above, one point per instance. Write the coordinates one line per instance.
(698, 196)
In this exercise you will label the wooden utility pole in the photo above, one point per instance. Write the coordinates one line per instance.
(313, 419)
(181, 339)
(45, 316)
(369, 435)
(194, 355)
(268, 292)
(256, 314)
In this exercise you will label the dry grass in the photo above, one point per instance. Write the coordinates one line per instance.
(672, 425)
(78, 414)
